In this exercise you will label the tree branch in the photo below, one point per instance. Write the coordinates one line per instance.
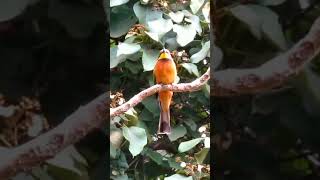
(225, 83)
(47, 145)
(273, 73)
(182, 87)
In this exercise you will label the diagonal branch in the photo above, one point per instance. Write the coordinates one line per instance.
(273, 73)
(182, 87)
(47, 145)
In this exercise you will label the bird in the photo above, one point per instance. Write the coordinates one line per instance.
(165, 72)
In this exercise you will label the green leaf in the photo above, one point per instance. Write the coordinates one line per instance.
(11, 8)
(155, 156)
(67, 159)
(199, 56)
(114, 59)
(185, 33)
(121, 52)
(149, 58)
(160, 27)
(270, 25)
(113, 151)
(201, 155)
(137, 138)
(144, 1)
(117, 2)
(187, 145)
(41, 173)
(178, 177)
(261, 20)
(134, 67)
(177, 132)
(121, 20)
(192, 125)
(206, 12)
(217, 56)
(173, 164)
(247, 15)
(191, 68)
(146, 13)
(152, 104)
(271, 2)
(127, 48)
(172, 43)
(120, 177)
(196, 5)
(195, 22)
(146, 115)
(176, 17)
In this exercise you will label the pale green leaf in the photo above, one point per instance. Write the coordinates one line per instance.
(151, 103)
(121, 20)
(196, 5)
(249, 17)
(160, 26)
(177, 132)
(199, 56)
(137, 138)
(145, 13)
(66, 160)
(201, 155)
(127, 48)
(155, 156)
(217, 56)
(206, 12)
(178, 177)
(11, 8)
(117, 2)
(185, 33)
(176, 17)
(187, 145)
(149, 58)
(270, 25)
(191, 68)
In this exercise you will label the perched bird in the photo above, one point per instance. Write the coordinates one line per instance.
(165, 72)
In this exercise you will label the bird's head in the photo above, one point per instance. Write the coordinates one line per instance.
(165, 54)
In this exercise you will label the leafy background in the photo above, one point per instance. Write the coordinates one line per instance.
(52, 61)
(138, 31)
(272, 135)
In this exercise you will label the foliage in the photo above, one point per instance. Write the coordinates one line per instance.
(139, 30)
(270, 135)
(52, 57)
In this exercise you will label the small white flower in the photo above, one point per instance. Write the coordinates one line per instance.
(202, 129)
(205, 62)
(183, 164)
(112, 96)
(121, 101)
(200, 167)
(115, 173)
(180, 53)
(154, 138)
(207, 142)
(203, 136)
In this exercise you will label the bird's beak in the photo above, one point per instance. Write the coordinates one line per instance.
(165, 55)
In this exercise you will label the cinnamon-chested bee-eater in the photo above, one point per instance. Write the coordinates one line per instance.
(165, 72)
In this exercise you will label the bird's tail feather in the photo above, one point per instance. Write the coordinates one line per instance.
(164, 122)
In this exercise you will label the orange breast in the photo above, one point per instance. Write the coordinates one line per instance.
(165, 71)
